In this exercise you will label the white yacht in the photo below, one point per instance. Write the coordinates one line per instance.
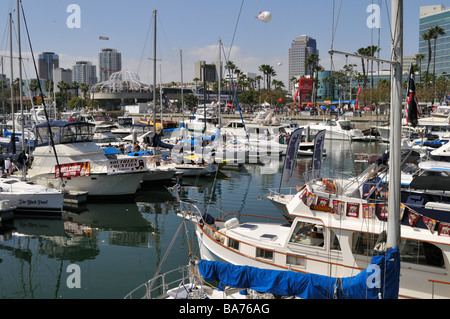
(83, 164)
(341, 129)
(30, 197)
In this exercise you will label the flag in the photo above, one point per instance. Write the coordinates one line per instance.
(319, 141)
(357, 99)
(413, 217)
(431, 223)
(412, 104)
(290, 160)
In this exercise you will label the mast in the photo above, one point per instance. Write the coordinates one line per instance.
(13, 136)
(393, 227)
(20, 84)
(182, 95)
(220, 80)
(154, 73)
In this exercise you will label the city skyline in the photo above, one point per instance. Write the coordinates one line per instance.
(128, 28)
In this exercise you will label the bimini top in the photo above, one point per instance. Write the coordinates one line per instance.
(64, 132)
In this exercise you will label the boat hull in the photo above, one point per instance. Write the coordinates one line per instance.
(97, 184)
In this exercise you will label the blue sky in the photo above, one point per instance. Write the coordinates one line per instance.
(195, 27)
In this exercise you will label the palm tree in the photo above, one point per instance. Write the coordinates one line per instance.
(258, 79)
(49, 86)
(311, 62)
(427, 36)
(419, 57)
(263, 68)
(370, 51)
(33, 86)
(270, 73)
(231, 67)
(84, 89)
(436, 31)
(363, 52)
(63, 87)
(75, 85)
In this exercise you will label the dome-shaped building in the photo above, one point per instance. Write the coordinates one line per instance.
(123, 86)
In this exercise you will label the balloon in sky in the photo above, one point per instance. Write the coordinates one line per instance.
(265, 16)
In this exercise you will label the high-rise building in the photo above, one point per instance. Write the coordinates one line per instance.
(212, 74)
(430, 16)
(302, 47)
(46, 62)
(64, 75)
(84, 72)
(109, 61)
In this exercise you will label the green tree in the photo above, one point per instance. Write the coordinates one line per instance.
(33, 86)
(84, 89)
(436, 31)
(419, 57)
(191, 101)
(75, 86)
(427, 36)
(77, 103)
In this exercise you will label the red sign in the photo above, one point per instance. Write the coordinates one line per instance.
(73, 170)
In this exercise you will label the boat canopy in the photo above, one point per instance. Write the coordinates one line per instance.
(365, 285)
(64, 132)
(431, 183)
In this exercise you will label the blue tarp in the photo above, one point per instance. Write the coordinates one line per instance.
(384, 270)
(173, 129)
(111, 150)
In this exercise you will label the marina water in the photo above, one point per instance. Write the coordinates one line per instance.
(105, 250)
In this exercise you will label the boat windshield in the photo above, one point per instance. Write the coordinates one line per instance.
(64, 132)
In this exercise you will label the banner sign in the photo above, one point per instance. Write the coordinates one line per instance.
(131, 164)
(291, 156)
(73, 170)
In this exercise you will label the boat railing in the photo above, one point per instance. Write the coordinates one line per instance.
(160, 285)
(274, 192)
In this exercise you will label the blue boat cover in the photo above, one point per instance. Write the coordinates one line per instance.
(379, 280)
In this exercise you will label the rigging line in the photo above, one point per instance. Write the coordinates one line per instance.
(389, 21)
(334, 27)
(235, 29)
(163, 260)
(145, 44)
(41, 92)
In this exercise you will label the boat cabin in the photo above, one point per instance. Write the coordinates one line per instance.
(64, 132)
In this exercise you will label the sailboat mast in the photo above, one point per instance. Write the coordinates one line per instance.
(182, 95)
(12, 82)
(154, 72)
(20, 80)
(393, 227)
(220, 80)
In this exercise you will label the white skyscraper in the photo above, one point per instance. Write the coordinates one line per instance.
(84, 72)
(109, 61)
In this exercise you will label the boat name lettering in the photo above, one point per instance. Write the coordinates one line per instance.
(321, 208)
(32, 202)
